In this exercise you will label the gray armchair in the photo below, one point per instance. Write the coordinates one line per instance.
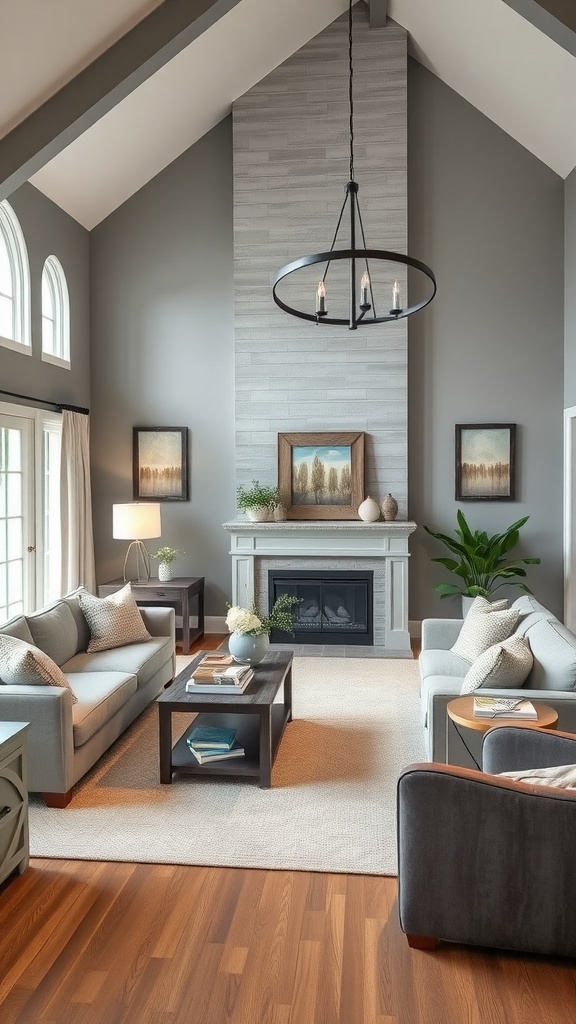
(485, 860)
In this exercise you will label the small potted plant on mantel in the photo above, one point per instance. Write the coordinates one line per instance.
(258, 501)
(165, 556)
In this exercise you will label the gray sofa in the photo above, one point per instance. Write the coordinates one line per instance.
(112, 687)
(552, 679)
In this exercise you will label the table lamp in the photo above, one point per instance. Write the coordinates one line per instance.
(136, 521)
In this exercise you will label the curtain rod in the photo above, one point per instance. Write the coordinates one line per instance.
(57, 406)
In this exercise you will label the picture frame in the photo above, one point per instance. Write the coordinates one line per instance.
(321, 475)
(160, 464)
(485, 462)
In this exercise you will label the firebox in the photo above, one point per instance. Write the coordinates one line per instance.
(334, 607)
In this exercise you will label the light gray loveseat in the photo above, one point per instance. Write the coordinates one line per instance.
(112, 687)
(551, 680)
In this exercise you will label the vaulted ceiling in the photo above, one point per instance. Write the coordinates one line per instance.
(114, 91)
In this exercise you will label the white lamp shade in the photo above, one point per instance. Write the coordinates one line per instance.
(136, 520)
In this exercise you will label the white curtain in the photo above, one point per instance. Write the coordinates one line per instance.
(76, 504)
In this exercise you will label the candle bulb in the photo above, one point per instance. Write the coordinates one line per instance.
(364, 286)
(396, 297)
(321, 297)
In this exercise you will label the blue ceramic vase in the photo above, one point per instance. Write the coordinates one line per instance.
(249, 650)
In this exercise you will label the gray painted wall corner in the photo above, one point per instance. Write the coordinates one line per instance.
(162, 354)
(570, 291)
(487, 216)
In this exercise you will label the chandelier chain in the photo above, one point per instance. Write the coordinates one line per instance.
(352, 254)
(350, 91)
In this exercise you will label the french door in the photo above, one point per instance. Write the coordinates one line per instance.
(29, 509)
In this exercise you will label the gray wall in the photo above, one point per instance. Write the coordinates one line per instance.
(484, 213)
(291, 163)
(162, 354)
(570, 291)
(487, 216)
(49, 231)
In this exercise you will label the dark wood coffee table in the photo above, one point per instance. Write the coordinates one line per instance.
(259, 721)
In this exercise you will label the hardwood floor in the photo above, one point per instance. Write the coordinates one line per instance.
(106, 943)
(90, 943)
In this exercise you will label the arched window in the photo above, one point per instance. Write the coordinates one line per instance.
(14, 283)
(55, 313)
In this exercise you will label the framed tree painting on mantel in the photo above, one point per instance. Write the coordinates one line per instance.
(485, 461)
(321, 475)
(160, 464)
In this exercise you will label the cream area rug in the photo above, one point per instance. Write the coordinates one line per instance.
(332, 803)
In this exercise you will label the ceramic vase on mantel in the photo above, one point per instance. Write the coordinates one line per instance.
(258, 515)
(249, 650)
(369, 510)
(389, 508)
(165, 572)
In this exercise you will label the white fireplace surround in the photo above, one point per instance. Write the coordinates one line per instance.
(380, 547)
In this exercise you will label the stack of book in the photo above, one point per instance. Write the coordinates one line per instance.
(219, 673)
(210, 743)
(504, 707)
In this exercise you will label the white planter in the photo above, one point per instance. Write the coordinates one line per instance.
(257, 515)
(165, 572)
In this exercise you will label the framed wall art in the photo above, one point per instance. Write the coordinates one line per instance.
(485, 461)
(160, 464)
(321, 475)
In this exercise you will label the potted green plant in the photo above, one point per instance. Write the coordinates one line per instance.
(256, 501)
(481, 563)
(165, 556)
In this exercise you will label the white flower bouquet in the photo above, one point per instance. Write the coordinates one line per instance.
(247, 620)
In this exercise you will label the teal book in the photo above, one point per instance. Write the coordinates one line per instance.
(204, 756)
(211, 737)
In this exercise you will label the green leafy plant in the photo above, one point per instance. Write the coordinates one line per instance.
(481, 561)
(250, 622)
(257, 496)
(166, 554)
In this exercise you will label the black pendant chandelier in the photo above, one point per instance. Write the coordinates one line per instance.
(362, 313)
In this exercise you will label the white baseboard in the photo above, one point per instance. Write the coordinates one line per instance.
(215, 624)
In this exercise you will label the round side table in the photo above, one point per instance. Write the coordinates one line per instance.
(461, 712)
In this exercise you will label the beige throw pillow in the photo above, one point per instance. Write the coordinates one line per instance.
(481, 630)
(113, 621)
(481, 604)
(22, 664)
(505, 665)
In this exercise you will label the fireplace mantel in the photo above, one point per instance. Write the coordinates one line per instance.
(383, 544)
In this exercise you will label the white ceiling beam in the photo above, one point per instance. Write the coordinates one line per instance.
(140, 53)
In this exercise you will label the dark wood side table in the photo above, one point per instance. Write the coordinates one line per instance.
(176, 593)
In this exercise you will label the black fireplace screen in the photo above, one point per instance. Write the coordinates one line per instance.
(334, 607)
